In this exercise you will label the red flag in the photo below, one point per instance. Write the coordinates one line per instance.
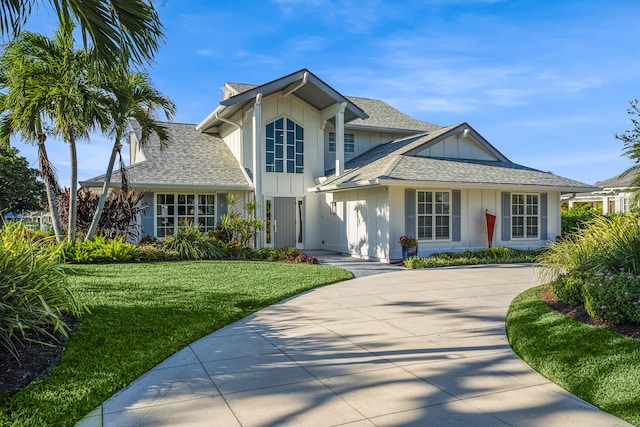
(491, 222)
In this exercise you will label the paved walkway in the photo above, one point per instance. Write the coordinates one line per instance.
(420, 347)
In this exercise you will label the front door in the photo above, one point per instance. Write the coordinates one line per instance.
(284, 222)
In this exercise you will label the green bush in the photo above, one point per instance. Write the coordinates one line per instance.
(33, 287)
(613, 296)
(149, 252)
(494, 255)
(99, 249)
(569, 289)
(191, 244)
(604, 244)
(576, 218)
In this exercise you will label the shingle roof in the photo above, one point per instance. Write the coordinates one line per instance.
(389, 164)
(191, 159)
(617, 181)
(383, 115)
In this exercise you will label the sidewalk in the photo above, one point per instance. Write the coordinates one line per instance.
(419, 347)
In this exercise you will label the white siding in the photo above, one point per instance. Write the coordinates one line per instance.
(458, 147)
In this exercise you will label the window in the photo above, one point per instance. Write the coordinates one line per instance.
(284, 149)
(176, 211)
(349, 142)
(626, 204)
(524, 216)
(434, 215)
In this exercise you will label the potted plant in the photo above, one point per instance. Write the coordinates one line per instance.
(409, 246)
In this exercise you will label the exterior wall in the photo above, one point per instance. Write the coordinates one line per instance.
(233, 136)
(364, 141)
(458, 147)
(360, 226)
(473, 205)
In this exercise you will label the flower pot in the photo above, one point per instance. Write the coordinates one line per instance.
(409, 252)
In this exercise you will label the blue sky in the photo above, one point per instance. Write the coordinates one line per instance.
(546, 82)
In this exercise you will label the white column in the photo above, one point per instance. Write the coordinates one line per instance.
(340, 139)
(257, 159)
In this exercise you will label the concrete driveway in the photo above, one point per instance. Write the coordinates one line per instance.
(419, 347)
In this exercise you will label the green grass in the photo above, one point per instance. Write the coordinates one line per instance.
(598, 365)
(140, 315)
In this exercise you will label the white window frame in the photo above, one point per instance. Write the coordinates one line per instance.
(193, 212)
(527, 213)
(434, 215)
(292, 151)
(349, 142)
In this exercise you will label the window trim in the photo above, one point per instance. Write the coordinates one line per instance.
(176, 215)
(352, 143)
(434, 215)
(538, 215)
(298, 154)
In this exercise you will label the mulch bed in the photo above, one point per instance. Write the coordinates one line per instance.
(36, 360)
(580, 314)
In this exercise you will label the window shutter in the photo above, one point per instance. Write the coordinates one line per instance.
(506, 216)
(543, 216)
(146, 217)
(221, 208)
(456, 219)
(410, 228)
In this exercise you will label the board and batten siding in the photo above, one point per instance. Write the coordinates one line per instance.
(468, 225)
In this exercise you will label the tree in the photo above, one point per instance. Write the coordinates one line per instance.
(133, 97)
(112, 27)
(51, 86)
(631, 141)
(20, 188)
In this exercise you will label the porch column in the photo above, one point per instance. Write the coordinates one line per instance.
(257, 159)
(340, 139)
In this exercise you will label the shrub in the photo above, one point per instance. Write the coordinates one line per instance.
(605, 244)
(190, 244)
(33, 287)
(492, 255)
(235, 227)
(569, 289)
(99, 249)
(148, 252)
(613, 296)
(576, 218)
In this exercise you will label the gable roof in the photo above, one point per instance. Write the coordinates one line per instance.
(191, 159)
(394, 163)
(306, 86)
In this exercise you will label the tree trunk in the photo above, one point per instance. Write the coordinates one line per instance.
(51, 184)
(105, 190)
(73, 190)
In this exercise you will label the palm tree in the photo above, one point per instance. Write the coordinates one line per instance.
(111, 26)
(49, 81)
(133, 97)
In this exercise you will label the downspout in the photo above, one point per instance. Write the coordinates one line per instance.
(257, 157)
(340, 139)
(305, 77)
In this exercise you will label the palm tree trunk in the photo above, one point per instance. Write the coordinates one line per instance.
(51, 185)
(73, 190)
(105, 190)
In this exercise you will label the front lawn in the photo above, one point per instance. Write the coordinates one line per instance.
(598, 365)
(140, 315)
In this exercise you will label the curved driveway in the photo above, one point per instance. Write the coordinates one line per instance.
(417, 347)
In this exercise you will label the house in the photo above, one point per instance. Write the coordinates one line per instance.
(341, 173)
(612, 195)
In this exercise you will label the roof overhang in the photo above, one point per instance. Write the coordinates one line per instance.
(303, 83)
(444, 184)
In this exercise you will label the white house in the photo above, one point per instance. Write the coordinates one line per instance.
(342, 173)
(612, 195)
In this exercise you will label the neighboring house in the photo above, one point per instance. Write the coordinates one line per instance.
(33, 220)
(341, 173)
(614, 194)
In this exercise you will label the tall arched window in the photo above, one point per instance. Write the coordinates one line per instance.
(284, 150)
